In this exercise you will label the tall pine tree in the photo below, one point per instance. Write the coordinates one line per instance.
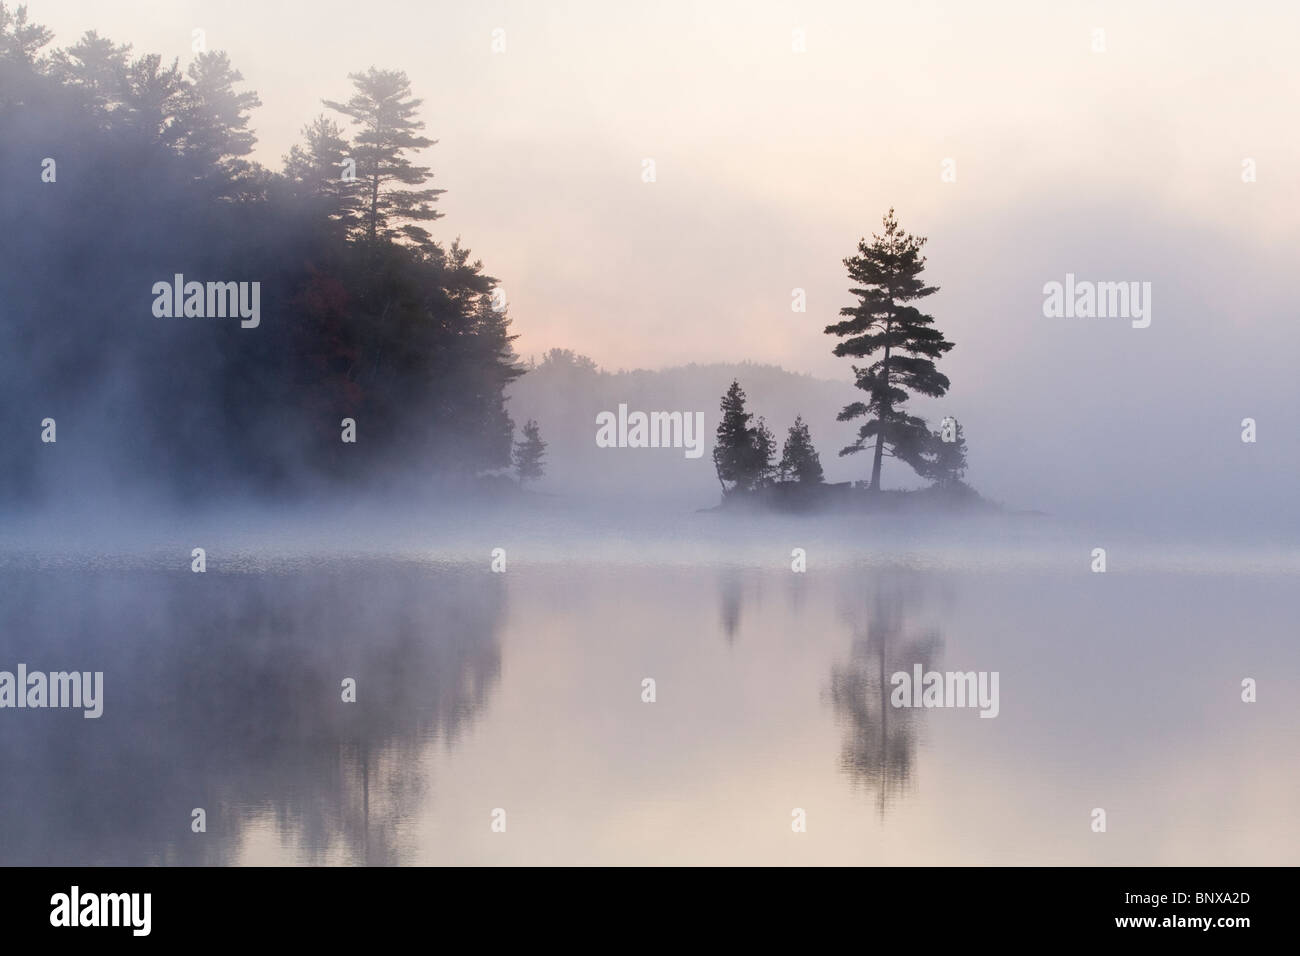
(214, 118)
(887, 277)
(384, 110)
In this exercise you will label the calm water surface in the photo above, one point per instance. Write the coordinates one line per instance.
(523, 691)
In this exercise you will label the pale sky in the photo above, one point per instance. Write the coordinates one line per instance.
(770, 164)
(1117, 165)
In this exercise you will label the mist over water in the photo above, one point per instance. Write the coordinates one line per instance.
(479, 690)
(334, 614)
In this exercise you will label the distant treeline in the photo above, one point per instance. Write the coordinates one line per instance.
(123, 171)
(568, 393)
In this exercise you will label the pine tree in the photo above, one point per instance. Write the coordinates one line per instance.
(215, 118)
(316, 170)
(20, 41)
(946, 460)
(799, 460)
(95, 67)
(479, 405)
(887, 277)
(742, 454)
(529, 453)
(384, 110)
(153, 98)
(764, 448)
(733, 448)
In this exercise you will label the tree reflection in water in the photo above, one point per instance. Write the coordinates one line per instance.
(878, 752)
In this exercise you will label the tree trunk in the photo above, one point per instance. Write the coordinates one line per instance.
(885, 412)
(880, 453)
(374, 207)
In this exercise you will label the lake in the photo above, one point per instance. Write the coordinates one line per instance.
(505, 717)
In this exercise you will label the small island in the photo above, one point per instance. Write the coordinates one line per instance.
(885, 325)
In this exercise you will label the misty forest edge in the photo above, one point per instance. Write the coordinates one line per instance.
(375, 322)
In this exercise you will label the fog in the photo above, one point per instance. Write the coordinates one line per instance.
(1096, 170)
(478, 691)
(399, 470)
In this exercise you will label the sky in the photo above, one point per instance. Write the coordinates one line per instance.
(1115, 156)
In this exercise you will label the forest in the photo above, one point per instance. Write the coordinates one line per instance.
(185, 322)
(124, 171)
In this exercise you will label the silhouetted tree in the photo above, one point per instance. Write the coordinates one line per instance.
(945, 461)
(764, 452)
(384, 110)
(799, 459)
(21, 41)
(887, 273)
(316, 169)
(529, 452)
(567, 359)
(95, 67)
(741, 453)
(214, 121)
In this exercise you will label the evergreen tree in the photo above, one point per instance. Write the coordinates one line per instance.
(764, 449)
(569, 361)
(742, 454)
(483, 364)
(316, 169)
(214, 119)
(154, 100)
(946, 460)
(733, 449)
(20, 41)
(384, 110)
(529, 453)
(799, 459)
(887, 277)
(95, 67)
